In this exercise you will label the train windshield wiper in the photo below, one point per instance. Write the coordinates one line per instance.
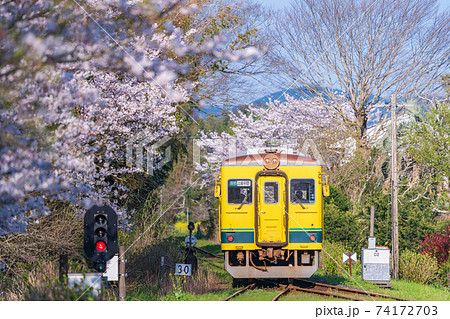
(298, 200)
(242, 204)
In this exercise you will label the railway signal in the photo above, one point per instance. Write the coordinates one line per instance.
(190, 257)
(100, 235)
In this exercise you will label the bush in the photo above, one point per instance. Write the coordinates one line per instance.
(420, 268)
(437, 245)
(444, 269)
(343, 226)
(331, 260)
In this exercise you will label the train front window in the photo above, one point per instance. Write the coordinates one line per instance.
(302, 191)
(270, 192)
(239, 191)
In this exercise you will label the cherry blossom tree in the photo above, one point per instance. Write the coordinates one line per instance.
(285, 125)
(79, 80)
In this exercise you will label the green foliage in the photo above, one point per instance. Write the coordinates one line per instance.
(330, 261)
(351, 228)
(343, 227)
(178, 291)
(417, 267)
(429, 138)
(416, 218)
(143, 188)
(214, 123)
(339, 199)
(340, 224)
(444, 270)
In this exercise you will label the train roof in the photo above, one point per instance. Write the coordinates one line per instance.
(285, 158)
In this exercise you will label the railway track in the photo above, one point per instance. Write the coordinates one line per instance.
(306, 286)
(316, 287)
(319, 289)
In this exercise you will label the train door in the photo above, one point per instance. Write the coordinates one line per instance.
(271, 212)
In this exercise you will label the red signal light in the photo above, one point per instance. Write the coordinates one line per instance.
(312, 238)
(100, 246)
(230, 238)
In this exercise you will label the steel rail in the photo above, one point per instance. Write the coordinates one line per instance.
(287, 289)
(212, 264)
(207, 252)
(325, 293)
(323, 290)
(251, 286)
(351, 290)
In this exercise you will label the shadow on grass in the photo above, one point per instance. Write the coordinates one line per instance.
(202, 243)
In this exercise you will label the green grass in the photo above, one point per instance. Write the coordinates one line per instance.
(147, 293)
(303, 296)
(256, 295)
(211, 296)
(419, 292)
(400, 288)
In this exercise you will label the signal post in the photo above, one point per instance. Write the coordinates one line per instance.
(100, 235)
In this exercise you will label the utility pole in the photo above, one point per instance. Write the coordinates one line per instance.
(394, 188)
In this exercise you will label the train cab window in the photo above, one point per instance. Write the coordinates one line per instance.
(271, 192)
(239, 191)
(302, 191)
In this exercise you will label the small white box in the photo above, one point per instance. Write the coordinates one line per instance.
(375, 264)
(112, 269)
(372, 242)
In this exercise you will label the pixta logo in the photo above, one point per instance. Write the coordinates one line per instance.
(143, 143)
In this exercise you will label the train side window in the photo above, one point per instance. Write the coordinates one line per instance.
(270, 192)
(240, 191)
(302, 190)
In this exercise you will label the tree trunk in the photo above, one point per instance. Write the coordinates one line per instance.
(361, 130)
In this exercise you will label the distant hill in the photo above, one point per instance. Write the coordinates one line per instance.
(281, 97)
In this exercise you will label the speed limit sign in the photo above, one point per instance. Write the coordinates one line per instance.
(183, 269)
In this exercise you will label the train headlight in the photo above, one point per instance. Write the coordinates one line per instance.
(230, 238)
(312, 237)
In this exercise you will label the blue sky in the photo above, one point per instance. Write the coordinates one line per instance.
(277, 4)
(266, 86)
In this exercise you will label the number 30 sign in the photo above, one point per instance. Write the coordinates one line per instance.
(183, 269)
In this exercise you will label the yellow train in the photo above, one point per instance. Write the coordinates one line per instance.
(271, 214)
